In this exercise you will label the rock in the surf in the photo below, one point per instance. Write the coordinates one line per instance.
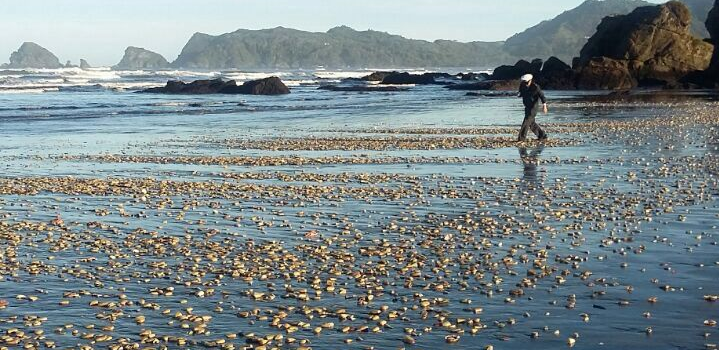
(267, 86)
(378, 76)
(407, 78)
(492, 85)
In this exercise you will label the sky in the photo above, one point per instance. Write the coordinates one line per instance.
(100, 30)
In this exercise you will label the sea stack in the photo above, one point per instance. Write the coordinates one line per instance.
(137, 58)
(84, 64)
(31, 55)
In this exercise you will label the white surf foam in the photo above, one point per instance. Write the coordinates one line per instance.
(166, 73)
(301, 82)
(338, 75)
(247, 76)
(28, 91)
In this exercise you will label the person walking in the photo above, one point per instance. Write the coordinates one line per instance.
(531, 94)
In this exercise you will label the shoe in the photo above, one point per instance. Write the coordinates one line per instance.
(542, 138)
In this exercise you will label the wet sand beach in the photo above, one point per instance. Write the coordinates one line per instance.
(365, 228)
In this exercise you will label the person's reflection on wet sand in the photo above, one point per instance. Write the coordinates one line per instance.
(530, 159)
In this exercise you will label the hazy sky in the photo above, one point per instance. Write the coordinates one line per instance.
(99, 30)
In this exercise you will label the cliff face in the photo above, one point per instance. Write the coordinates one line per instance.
(139, 58)
(31, 55)
(650, 46)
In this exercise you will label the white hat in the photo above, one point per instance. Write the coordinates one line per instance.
(527, 77)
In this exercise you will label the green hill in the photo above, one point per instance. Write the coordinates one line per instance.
(338, 48)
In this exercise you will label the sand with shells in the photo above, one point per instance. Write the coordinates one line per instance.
(372, 237)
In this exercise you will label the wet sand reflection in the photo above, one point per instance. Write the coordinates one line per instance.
(530, 161)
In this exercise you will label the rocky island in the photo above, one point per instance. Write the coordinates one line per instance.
(32, 55)
(84, 64)
(139, 58)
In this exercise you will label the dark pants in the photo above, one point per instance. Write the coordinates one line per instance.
(529, 124)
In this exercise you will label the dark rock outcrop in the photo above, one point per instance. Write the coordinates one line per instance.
(604, 73)
(554, 65)
(650, 46)
(197, 87)
(556, 75)
(535, 66)
(406, 79)
(473, 76)
(492, 85)
(378, 76)
(440, 76)
(267, 86)
(552, 75)
(31, 55)
(520, 68)
(84, 64)
(139, 58)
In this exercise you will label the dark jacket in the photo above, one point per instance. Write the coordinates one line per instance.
(531, 95)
